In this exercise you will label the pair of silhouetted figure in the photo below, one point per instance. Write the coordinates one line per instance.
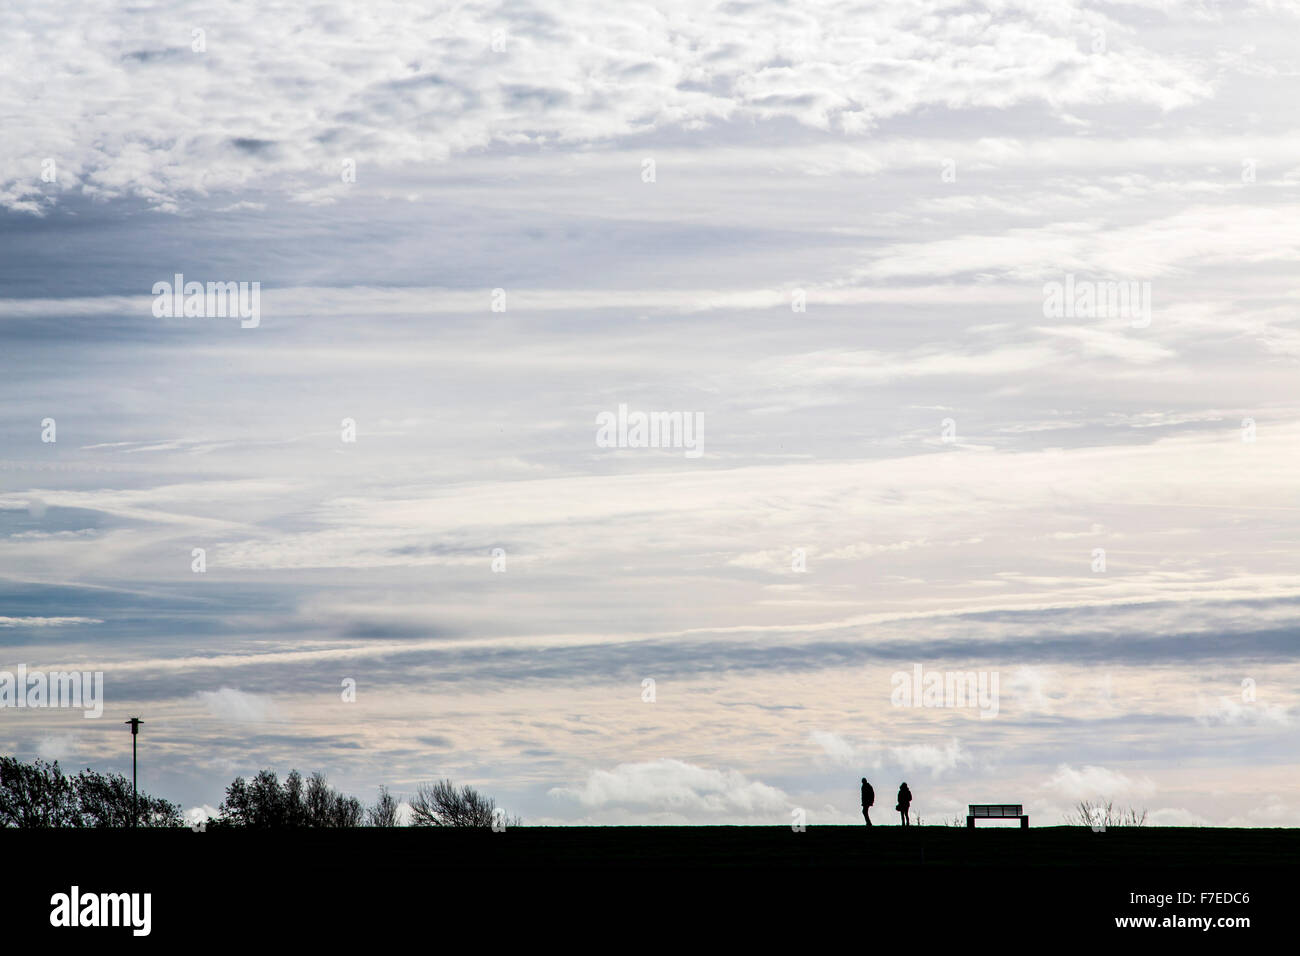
(869, 799)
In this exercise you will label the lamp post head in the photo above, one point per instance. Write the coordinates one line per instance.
(135, 723)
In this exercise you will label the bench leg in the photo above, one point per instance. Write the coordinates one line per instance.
(970, 822)
(1024, 823)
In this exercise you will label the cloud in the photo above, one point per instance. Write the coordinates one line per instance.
(668, 788)
(47, 621)
(59, 748)
(933, 759)
(1028, 687)
(1092, 783)
(1176, 817)
(1155, 250)
(1100, 342)
(192, 97)
(1269, 811)
(796, 149)
(1233, 710)
(841, 752)
(198, 816)
(237, 706)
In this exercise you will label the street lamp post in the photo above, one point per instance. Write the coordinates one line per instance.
(135, 723)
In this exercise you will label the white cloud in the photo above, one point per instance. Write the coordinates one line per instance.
(1269, 810)
(47, 621)
(274, 98)
(198, 816)
(59, 747)
(234, 705)
(1233, 710)
(841, 752)
(1096, 783)
(1159, 249)
(668, 788)
(933, 759)
(1028, 686)
(1176, 817)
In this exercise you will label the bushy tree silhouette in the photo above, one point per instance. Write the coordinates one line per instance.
(266, 803)
(384, 812)
(442, 804)
(40, 794)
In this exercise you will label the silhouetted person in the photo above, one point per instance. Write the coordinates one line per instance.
(904, 801)
(868, 798)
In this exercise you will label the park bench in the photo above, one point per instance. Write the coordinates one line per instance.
(996, 811)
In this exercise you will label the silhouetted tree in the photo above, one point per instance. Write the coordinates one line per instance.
(36, 795)
(40, 794)
(294, 808)
(442, 804)
(106, 801)
(384, 812)
(327, 807)
(319, 798)
(266, 803)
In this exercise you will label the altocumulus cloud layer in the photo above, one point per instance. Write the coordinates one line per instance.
(827, 230)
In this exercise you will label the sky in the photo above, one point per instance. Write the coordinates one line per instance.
(375, 530)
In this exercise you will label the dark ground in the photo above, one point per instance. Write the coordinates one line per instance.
(760, 885)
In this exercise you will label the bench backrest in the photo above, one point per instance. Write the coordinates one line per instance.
(996, 810)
